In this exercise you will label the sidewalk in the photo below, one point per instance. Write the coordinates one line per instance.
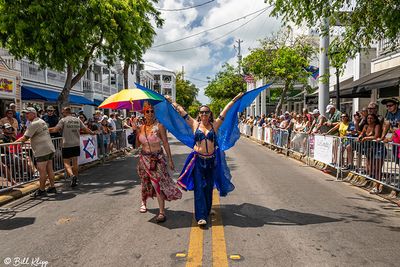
(28, 188)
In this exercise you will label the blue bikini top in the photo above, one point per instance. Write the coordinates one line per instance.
(199, 136)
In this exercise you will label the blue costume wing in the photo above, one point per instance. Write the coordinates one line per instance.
(172, 121)
(229, 132)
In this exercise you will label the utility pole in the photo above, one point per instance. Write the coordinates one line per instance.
(239, 54)
(183, 73)
(323, 92)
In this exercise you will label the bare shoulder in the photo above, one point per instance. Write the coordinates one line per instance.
(160, 127)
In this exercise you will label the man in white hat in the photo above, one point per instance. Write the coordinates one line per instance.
(334, 116)
(43, 150)
(318, 124)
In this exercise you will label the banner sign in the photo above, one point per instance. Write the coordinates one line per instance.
(89, 148)
(6, 86)
(323, 148)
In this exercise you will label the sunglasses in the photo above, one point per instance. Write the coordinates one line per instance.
(149, 111)
(390, 105)
(206, 112)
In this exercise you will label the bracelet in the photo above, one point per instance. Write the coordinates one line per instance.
(185, 116)
(221, 118)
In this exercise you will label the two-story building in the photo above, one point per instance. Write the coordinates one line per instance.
(159, 78)
(41, 87)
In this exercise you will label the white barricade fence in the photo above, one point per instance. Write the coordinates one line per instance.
(259, 135)
(268, 135)
(299, 142)
(248, 130)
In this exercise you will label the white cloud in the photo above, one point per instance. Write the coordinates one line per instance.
(207, 60)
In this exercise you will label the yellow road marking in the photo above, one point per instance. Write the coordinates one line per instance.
(220, 258)
(195, 253)
(180, 255)
(234, 257)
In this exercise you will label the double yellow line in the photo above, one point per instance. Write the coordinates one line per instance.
(219, 255)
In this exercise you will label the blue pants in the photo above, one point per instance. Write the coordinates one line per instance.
(204, 172)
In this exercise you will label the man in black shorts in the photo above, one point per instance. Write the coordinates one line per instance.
(43, 150)
(70, 127)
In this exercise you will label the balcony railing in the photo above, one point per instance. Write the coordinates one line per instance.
(386, 46)
(97, 87)
(114, 90)
(56, 78)
(106, 89)
(33, 72)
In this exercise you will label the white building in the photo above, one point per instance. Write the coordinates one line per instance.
(159, 78)
(41, 87)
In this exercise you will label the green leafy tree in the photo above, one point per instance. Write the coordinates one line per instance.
(194, 108)
(281, 63)
(69, 35)
(226, 85)
(186, 92)
(365, 21)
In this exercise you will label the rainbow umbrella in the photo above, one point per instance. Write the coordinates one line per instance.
(131, 99)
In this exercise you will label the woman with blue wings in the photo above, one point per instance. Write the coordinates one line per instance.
(206, 165)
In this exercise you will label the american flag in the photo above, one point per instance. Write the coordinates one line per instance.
(248, 78)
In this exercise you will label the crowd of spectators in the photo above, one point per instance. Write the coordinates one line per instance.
(362, 134)
(16, 126)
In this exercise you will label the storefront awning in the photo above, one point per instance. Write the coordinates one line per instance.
(33, 93)
(97, 102)
(348, 91)
(381, 79)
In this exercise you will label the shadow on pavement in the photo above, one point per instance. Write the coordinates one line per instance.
(246, 215)
(16, 223)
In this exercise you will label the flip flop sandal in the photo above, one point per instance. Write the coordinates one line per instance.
(143, 209)
(160, 218)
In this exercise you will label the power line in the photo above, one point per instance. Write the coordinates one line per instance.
(149, 65)
(216, 39)
(196, 79)
(186, 8)
(216, 27)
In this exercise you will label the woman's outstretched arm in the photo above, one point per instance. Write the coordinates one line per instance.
(189, 120)
(221, 117)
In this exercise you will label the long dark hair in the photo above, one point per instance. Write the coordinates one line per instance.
(210, 118)
(376, 118)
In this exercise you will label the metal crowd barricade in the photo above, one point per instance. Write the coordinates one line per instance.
(18, 166)
(376, 161)
(299, 142)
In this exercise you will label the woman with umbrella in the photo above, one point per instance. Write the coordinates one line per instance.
(151, 135)
(152, 165)
(204, 165)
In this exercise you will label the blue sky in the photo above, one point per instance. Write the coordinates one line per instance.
(206, 61)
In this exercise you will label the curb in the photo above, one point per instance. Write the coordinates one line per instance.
(351, 178)
(28, 188)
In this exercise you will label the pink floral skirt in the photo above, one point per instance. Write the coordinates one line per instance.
(158, 180)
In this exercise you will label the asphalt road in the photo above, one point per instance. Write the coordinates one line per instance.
(282, 213)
